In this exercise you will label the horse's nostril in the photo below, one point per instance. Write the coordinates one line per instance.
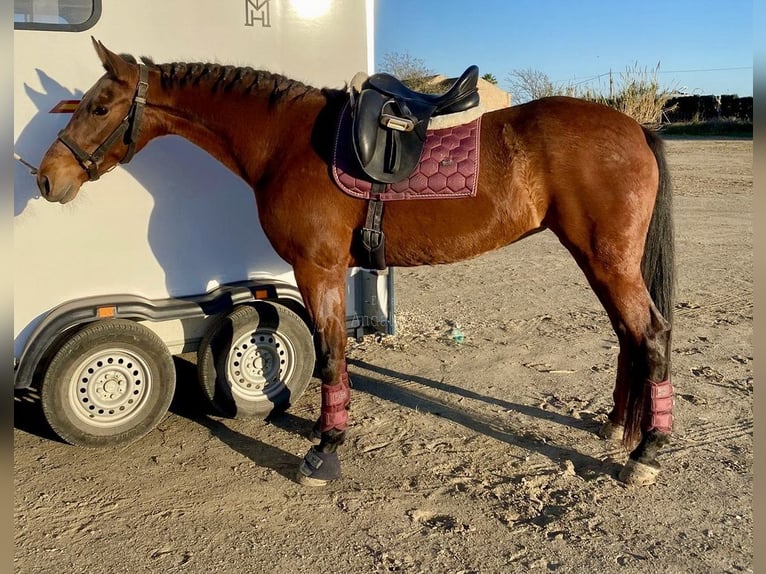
(43, 185)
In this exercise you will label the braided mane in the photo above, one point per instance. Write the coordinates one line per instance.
(227, 79)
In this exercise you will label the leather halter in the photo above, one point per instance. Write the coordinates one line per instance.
(128, 128)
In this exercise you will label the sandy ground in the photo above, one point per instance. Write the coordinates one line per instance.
(465, 457)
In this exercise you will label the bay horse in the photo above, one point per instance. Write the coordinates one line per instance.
(590, 174)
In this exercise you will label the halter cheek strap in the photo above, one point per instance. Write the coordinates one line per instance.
(90, 161)
(131, 125)
(139, 102)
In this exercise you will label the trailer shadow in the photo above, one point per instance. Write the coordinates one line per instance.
(28, 415)
(402, 389)
(190, 403)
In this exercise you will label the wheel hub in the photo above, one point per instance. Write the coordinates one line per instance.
(109, 387)
(258, 364)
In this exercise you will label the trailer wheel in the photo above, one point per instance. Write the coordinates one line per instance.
(109, 384)
(256, 360)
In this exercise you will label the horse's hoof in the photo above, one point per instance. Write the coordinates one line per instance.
(318, 468)
(638, 474)
(611, 431)
(304, 480)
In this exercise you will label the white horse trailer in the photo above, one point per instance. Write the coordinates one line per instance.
(166, 255)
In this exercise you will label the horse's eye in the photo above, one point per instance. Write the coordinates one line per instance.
(100, 111)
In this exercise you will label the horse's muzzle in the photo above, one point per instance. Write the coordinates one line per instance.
(43, 184)
(56, 194)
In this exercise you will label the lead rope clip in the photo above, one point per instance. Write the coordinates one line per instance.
(32, 169)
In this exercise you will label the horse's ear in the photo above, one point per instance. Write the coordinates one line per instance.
(114, 65)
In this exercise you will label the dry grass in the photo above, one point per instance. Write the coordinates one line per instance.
(635, 92)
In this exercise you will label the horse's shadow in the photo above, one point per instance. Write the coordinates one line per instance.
(388, 385)
(380, 382)
(37, 135)
(193, 199)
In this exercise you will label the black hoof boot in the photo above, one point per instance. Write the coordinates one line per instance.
(318, 468)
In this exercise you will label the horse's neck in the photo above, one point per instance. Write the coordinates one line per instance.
(178, 121)
(239, 131)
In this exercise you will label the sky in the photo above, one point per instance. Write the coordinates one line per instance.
(701, 46)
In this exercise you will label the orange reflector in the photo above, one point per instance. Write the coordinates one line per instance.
(65, 107)
(261, 293)
(106, 312)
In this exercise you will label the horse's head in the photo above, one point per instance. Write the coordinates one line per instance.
(102, 132)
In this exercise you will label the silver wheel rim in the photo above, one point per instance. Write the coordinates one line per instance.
(110, 387)
(259, 364)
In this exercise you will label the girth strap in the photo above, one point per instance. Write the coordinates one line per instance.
(372, 237)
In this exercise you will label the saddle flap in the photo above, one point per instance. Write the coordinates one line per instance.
(386, 152)
(366, 124)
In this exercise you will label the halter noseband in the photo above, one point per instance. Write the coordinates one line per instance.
(128, 127)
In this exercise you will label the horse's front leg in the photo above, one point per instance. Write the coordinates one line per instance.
(324, 294)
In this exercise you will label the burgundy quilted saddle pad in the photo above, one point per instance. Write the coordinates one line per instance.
(448, 166)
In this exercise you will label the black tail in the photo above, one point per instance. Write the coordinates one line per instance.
(658, 262)
(657, 267)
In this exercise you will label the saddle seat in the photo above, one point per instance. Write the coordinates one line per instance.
(460, 96)
(390, 121)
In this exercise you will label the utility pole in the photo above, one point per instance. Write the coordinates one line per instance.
(611, 87)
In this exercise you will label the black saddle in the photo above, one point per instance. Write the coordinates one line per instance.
(390, 121)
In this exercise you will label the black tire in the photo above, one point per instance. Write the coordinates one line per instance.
(109, 384)
(256, 360)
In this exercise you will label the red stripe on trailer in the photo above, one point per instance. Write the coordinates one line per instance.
(65, 107)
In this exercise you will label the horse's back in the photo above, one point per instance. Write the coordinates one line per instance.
(553, 163)
(573, 166)
(567, 124)
(569, 146)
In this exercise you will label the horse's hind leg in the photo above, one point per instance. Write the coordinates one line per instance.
(614, 427)
(650, 403)
(643, 394)
(324, 294)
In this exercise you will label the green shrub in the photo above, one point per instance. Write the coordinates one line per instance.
(723, 127)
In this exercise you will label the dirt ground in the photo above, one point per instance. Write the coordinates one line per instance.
(465, 457)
